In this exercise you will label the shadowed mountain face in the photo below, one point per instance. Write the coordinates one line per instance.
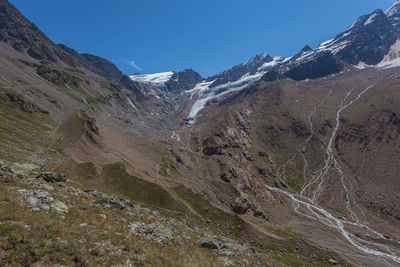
(24, 36)
(182, 81)
(286, 160)
(368, 40)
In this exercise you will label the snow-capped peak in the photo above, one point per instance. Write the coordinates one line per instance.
(268, 65)
(155, 78)
(371, 18)
(394, 9)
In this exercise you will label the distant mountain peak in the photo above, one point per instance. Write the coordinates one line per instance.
(393, 10)
(306, 48)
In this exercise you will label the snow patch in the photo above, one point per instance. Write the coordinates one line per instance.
(370, 19)
(362, 65)
(286, 60)
(77, 94)
(351, 26)
(206, 93)
(392, 59)
(334, 46)
(269, 65)
(326, 43)
(130, 102)
(176, 136)
(155, 78)
(305, 55)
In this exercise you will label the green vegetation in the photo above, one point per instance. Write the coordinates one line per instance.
(281, 232)
(87, 236)
(116, 177)
(24, 128)
(168, 167)
(229, 222)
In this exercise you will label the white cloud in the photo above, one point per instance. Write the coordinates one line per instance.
(133, 64)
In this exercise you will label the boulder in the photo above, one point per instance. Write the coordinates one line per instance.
(36, 199)
(23, 169)
(52, 177)
(161, 232)
(110, 201)
(212, 243)
(242, 204)
(59, 207)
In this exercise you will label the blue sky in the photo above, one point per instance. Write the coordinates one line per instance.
(206, 35)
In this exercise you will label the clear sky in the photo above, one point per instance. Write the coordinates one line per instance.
(206, 35)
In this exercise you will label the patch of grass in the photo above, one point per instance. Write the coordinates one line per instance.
(228, 222)
(134, 188)
(299, 261)
(45, 239)
(168, 168)
(25, 128)
(294, 177)
(85, 171)
(284, 233)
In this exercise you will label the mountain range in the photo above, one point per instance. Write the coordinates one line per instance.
(274, 162)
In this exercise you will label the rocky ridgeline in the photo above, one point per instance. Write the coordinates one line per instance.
(51, 193)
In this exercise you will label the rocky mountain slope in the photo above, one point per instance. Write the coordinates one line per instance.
(46, 220)
(278, 162)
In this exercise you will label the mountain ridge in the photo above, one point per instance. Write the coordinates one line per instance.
(295, 159)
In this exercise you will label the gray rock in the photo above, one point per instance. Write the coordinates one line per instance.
(110, 201)
(46, 187)
(159, 231)
(45, 207)
(36, 209)
(59, 207)
(52, 177)
(23, 170)
(212, 243)
(32, 201)
(151, 212)
(43, 195)
(36, 199)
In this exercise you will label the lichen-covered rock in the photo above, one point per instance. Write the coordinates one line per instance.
(161, 232)
(109, 201)
(23, 169)
(36, 199)
(52, 177)
(59, 207)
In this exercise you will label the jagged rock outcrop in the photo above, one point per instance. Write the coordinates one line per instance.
(52, 177)
(184, 80)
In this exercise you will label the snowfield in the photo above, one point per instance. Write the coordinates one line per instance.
(155, 78)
